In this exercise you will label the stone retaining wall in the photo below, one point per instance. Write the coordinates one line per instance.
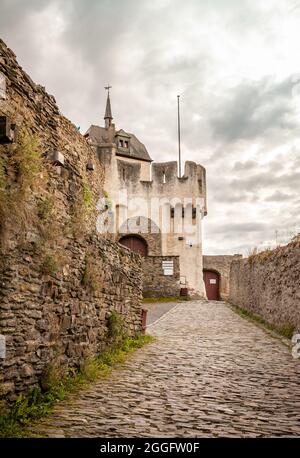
(156, 284)
(59, 278)
(268, 284)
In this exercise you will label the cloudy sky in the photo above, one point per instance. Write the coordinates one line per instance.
(236, 65)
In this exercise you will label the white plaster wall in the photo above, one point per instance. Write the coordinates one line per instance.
(135, 194)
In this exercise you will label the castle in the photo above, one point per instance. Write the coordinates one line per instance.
(152, 210)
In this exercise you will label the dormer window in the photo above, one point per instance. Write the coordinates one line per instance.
(123, 143)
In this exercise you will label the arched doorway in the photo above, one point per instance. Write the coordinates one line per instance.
(135, 243)
(212, 284)
(146, 229)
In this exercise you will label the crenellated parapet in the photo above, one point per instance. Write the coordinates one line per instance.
(163, 180)
(165, 174)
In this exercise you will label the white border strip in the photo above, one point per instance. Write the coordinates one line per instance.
(164, 315)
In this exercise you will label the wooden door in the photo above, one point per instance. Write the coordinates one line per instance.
(134, 243)
(212, 284)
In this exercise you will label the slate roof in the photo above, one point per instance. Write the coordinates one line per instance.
(137, 150)
(97, 134)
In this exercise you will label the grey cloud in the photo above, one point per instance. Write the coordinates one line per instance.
(244, 166)
(276, 166)
(15, 28)
(296, 164)
(265, 180)
(238, 228)
(255, 109)
(229, 195)
(279, 196)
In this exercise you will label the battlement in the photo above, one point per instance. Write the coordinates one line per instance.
(166, 172)
(163, 177)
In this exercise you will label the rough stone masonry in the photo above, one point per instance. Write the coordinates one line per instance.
(268, 284)
(59, 279)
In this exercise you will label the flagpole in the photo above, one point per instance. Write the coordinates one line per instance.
(179, 146)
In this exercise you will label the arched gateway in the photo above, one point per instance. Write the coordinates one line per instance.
(135, 243)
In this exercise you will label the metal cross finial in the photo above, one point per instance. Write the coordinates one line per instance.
(108, 87)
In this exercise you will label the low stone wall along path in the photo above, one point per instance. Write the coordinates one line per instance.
(209, 373)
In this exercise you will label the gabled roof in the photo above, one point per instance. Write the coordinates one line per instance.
(97, 134)
(137, 150)
(122, 133)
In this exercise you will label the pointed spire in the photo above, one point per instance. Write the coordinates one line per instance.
(108, 116)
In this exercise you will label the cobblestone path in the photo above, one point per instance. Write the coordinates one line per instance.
(209, 373)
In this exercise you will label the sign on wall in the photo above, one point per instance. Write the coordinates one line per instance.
(168, 267)
(2, 87)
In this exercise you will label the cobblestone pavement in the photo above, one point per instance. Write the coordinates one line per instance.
(209, 373)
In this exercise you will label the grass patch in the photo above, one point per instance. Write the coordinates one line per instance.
(116, 327)
(82, 210)
(45, 208)
(285, 330)
(49, 265)
(27, 161)
(88, 197)
(40, 403)
(148, 300)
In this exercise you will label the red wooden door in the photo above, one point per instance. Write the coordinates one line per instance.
(212, 284)
(134, 243)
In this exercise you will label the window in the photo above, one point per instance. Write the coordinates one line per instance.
(121, 143)
(126, 143)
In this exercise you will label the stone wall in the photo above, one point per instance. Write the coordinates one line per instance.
(59, 279)
(156, 284)
(221, 264)
(268, 284)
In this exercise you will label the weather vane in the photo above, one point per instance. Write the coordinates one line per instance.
(108, 87)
